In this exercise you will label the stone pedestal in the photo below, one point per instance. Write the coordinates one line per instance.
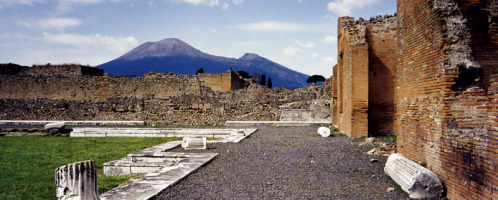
(194, 143)
(77, 181)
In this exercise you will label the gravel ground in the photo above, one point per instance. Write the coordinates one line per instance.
(287, 163)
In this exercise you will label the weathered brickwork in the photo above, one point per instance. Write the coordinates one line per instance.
(446, 92)
(432, 80)
(363, 84)
(223, 82)
(381, 38)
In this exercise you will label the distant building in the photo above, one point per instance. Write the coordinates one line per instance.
(223, 82)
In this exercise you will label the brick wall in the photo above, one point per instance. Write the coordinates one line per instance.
(223, 82)
(446, 119)
(381, 38)
(363, 83)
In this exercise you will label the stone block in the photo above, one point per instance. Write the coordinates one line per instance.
(194, 143)
(56, 125)
(324, 131)
(417, 181)
(77, 181)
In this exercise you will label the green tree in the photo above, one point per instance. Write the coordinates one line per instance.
(269, 82)
(263, 80)
(201, 70)
(314, 79)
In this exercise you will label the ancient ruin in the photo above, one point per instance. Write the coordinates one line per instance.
(427, 75)
(75, 93)
(364, 76)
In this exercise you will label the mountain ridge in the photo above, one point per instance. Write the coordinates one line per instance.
(174, 55)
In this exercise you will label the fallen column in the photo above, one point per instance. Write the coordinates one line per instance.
(324, 131)
(414, 179)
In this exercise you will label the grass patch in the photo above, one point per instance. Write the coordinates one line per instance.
(388, 138)
(28, 164)
(334, 130)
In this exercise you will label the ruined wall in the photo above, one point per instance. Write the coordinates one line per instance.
(381, 37)
(67, 70)
(255, 103)
(446, 119)
(97, 87)
(56, 87)
(363, 91)
(223, 82)
(154, 88)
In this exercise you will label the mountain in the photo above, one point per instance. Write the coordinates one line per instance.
(174, 55)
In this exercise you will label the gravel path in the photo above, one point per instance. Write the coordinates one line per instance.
(287, 163)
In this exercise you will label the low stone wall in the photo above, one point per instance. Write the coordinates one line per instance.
(187, 109)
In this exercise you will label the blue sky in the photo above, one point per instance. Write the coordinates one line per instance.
(299, 34)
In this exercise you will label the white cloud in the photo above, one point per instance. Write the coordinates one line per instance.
(272, 26)
(84, 1)
(330, 39)
(237, 2)
(68, 5)
(308, 44)
(202, 2)
(6, 3)
(345, 7)
(299, 1)
(328, 61)
(59, 23)
(291, 51)
(97, 41)
(225, 6)
(315, 55)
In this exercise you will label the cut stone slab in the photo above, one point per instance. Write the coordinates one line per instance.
(223, 135)
(152, 183)
(144, 161)
(417, 181)
(324, 131)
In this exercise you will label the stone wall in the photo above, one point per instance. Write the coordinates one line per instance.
(204, 106)
(97, 87)
(363, 86)
(446, 92)
(67, 70)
